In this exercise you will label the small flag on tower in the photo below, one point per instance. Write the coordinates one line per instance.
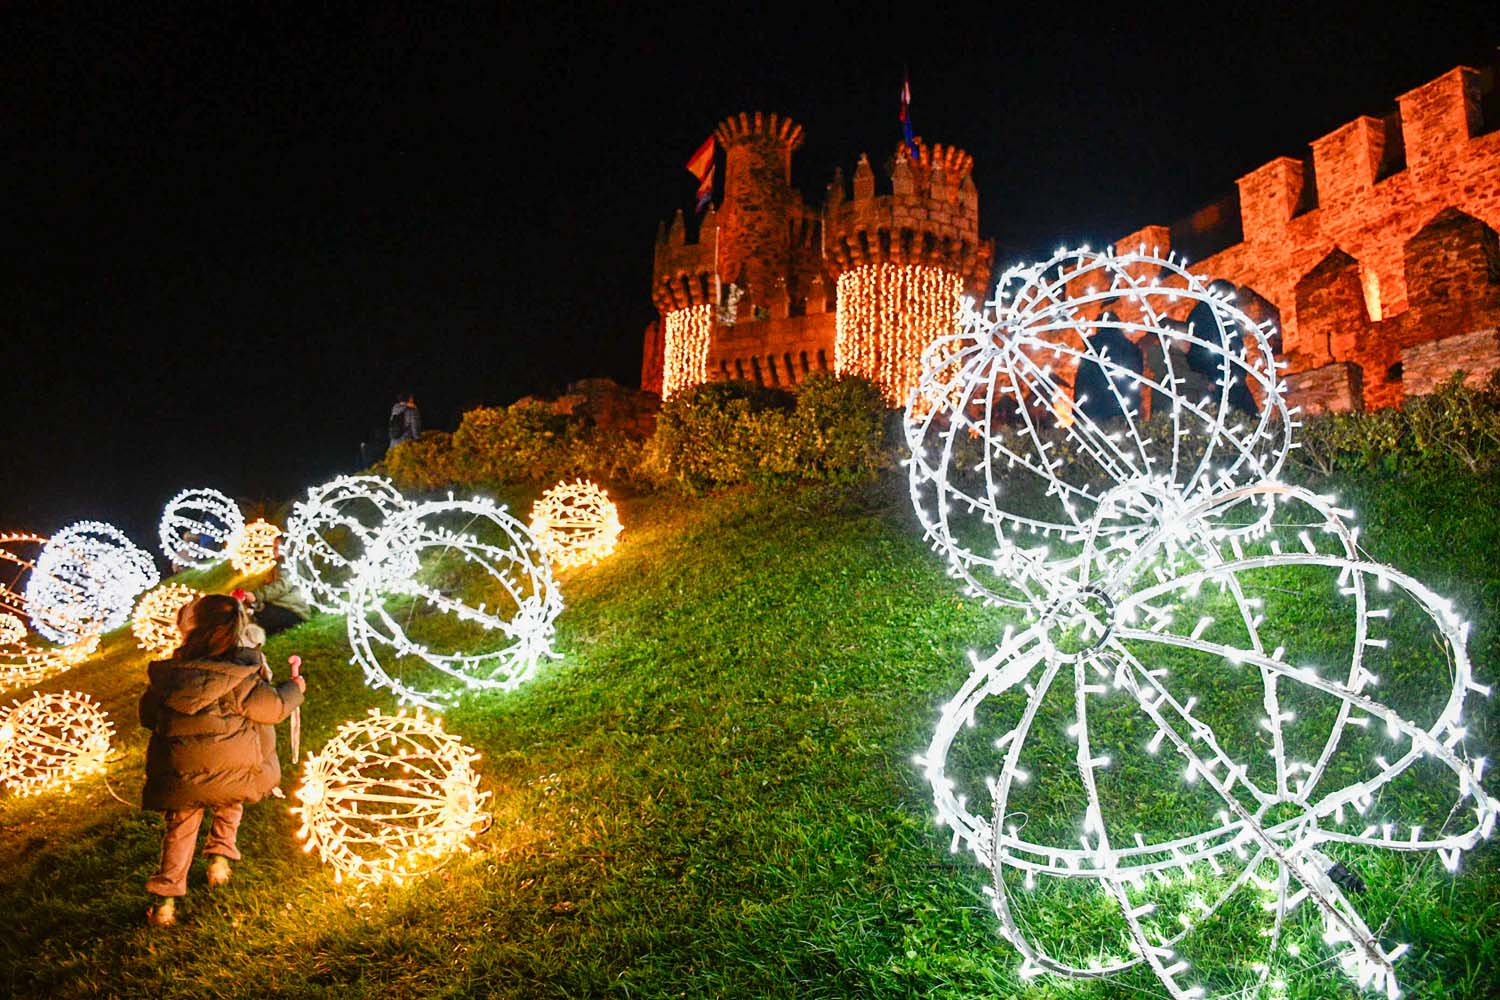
(701, 166)
(906, 134)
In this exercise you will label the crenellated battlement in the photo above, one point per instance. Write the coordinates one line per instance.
(682, 270)
(931, 216)
(757, 126)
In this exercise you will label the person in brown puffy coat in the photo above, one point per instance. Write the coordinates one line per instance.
(210, 709)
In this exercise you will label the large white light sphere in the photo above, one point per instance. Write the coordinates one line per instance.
(390, 797)
(327, 533)
(452, 595)
(51, 740)
(85, 582)
(196, 527)
(1007, 467)
(23, 660)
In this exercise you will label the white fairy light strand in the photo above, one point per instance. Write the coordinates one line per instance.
(1139, 554)
(197, 526)
(390, 797)
(327, 533)
(85, 582)
(575, 524)
(522, 624)
(51, 740)
(887, 314)
(685, 337)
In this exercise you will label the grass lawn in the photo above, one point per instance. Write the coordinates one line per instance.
(712, 793)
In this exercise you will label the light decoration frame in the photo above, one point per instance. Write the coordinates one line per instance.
(23, 661)
(390, 798)
(201, 514)
(575, 524)
(85, 582)
(1112, 578)
(51, 740)
(154, 623)
(887, 314)
(686, 333)
(391, 570)
(327, 533)
(252, 550)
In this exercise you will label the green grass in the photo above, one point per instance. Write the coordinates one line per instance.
(712, 793)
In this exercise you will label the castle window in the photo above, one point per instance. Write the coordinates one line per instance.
(791, 372)
(771, 367)
(724, 368)
(822, 360)
(739, 369)
(805, 368)
(755, 367)
(1394, 373)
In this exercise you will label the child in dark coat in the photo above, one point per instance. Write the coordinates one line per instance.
(211, 711)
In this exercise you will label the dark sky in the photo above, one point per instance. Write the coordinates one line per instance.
(228, 237)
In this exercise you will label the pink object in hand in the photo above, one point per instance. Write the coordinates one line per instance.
(296, 662)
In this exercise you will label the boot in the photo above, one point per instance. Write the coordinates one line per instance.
(162, 912)
(218, 871)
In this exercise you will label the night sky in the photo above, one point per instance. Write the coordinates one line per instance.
(227, 239)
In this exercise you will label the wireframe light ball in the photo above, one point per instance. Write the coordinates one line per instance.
(253, 548)
(24, 660)
(575, 524)
(409, 629)
(51, 740)
(197, 526)
(85, 582)
(1007, 467)
(155, 619)
(390, 797)
(327, 533)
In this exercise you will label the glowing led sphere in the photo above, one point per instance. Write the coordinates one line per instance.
(24, 660)
(1250, 786)
(12, 629)
(155, 619)
(409, 630)
(1008, 466)
(51, 740)
(85, 582)
(887, 315)
(686, 334)
(575, 524)
(197, 526)
(390, 797)
(327, 533)
(252, 550)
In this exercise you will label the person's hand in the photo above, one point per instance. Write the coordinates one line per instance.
(301, 683)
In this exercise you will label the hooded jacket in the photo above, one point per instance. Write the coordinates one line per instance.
(211, 737)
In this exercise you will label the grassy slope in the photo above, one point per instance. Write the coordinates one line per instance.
(711, 794)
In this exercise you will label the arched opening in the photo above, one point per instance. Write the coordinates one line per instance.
(1108, 379)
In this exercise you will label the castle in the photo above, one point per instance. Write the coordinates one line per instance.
(1376, 256)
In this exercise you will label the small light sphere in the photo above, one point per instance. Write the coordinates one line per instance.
(155, 619)
(390, 797)
(252, 550)
(50, 740)
(575, 524)
(12, 629)
(327, 533)
(85, 582)
(411, 632)
(197, 526)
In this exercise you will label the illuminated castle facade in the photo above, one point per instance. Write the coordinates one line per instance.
(770, 288)
(1375, 255)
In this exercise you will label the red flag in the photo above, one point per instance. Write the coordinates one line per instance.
(701, 166)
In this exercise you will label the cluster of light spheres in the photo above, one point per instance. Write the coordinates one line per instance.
(575, 524)
(51, 740)
(328, 533)
(1170, 543)
(155, 619)
(85, 582)
(404, 586)
(685, 336)
(23, 660)
(197, 527)
(390, 797)
(887, 314)
(252, 550)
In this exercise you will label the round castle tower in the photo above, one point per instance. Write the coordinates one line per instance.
(902, 261)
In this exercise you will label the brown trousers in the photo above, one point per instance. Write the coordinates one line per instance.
(182, 836)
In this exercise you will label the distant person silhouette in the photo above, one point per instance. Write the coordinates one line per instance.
(405, 423)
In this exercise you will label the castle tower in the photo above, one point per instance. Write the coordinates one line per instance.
(755, 246)
(902, 261)
(684, 289)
